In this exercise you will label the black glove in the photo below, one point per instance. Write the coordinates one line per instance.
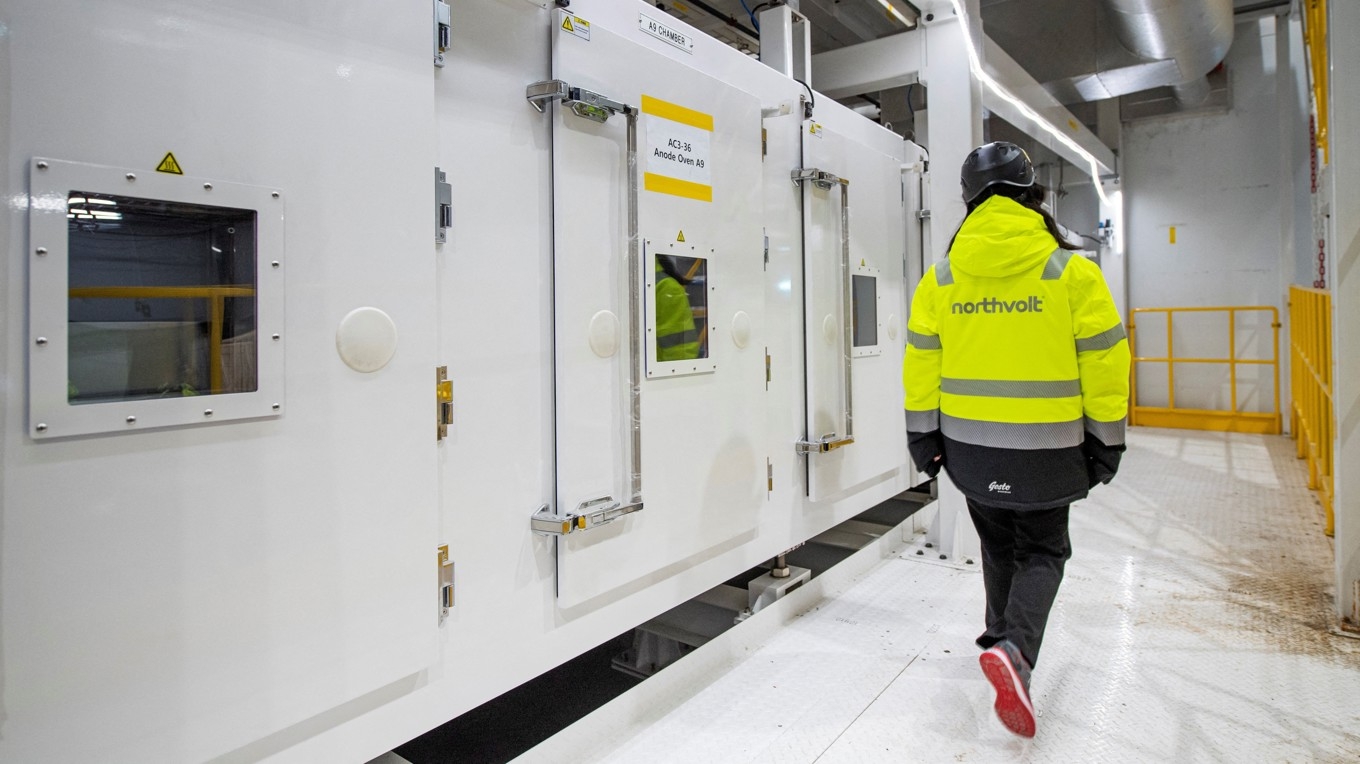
(927, 450)
(1102, 461)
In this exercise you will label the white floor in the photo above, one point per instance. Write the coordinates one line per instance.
(1192, 626)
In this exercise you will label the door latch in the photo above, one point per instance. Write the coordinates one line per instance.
(585, 103)
(590, 514)
(443, 392)
(819, 178)
(824, 445)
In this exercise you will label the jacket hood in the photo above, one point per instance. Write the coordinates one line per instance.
(1001, 238)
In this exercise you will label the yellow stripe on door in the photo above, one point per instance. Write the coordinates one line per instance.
(677, 113)
(677, 187)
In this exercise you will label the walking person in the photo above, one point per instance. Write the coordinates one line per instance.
(1016, 376)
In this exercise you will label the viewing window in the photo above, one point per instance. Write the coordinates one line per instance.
(162, 299)
(864, 291)
(681, 308)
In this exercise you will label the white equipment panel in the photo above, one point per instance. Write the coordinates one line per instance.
(859, 190)
(702, 428)
(182, 593)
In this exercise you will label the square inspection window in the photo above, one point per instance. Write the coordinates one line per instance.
(154, 300)
(162, 299)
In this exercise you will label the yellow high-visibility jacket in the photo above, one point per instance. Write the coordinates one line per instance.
(1017, 364)
(677, 338)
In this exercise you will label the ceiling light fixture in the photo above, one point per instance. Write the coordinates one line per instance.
(892, 11)
(975, 63)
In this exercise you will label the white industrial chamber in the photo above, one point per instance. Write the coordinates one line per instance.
(223, 541)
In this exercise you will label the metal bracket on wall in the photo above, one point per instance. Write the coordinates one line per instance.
(589, 514)
(443, 206)
(443, 30)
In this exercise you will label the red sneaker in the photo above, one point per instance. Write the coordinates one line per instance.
(1007, 671)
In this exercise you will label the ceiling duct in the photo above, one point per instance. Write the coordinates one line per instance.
(1117, 47)
(1195, 34)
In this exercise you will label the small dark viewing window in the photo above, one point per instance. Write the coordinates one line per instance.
(865, 296)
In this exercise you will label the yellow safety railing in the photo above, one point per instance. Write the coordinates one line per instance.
(1232, 420)
(1311, 415)
(216, 295)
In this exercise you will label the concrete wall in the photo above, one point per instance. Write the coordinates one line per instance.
(1211, 207)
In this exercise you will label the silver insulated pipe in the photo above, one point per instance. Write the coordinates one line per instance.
(1196, 34)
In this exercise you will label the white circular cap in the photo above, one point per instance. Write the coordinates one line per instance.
(604, 334)
(366, 339)
(829, 329)
(741, 329)
(892, 326)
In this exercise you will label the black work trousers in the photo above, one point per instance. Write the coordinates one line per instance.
(1023, 556)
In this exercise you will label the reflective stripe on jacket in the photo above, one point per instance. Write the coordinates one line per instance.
(1014, 344)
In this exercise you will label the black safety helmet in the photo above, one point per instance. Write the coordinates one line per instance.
(998, 162)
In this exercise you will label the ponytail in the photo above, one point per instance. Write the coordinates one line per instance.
(1029, 197)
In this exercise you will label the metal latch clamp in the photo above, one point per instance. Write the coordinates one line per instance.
(828, 443)
(819, 178)
(590, 514)
(584, 103)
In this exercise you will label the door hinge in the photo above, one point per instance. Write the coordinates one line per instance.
(769, 476)
(923, 215)
(767, 253)
(443, 30)
(764, 142)
(445, 582)
(767, 370)
(443, 206)
(443, 393)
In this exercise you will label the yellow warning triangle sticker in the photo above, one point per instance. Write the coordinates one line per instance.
(567, 25)
(681, 237)
(168, 164)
